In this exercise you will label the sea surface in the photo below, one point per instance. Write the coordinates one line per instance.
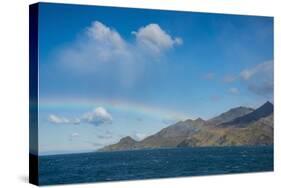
(154, 163)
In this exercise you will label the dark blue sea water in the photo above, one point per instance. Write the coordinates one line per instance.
(157, 163)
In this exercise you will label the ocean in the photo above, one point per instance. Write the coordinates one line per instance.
(154, 163)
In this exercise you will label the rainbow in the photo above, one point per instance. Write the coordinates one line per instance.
(121, 105)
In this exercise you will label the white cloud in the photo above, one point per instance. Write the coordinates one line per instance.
(101, 33)
(229, 78)
(97, 117)
(98, 45)
(101, 50)
(263, 68)
(101, 44)
(234, 90)
(58, 119)
(155, 39)
(105, 42)
(259, 79)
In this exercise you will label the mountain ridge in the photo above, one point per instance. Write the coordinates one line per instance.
(231, 114)
(213, 132)
(265, 110)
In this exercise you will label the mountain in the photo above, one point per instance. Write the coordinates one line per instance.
(236, 127)
(263, 111)
(170, 136)
(256, 133)
(126, 143)
(230, 115)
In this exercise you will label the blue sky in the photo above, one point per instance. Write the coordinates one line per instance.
(106, 72)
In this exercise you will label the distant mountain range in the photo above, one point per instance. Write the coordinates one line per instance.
(236, 127)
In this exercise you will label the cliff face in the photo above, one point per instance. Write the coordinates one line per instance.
(236, 127)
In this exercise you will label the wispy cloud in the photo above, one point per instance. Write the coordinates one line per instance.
(259, 79)
(58, 119)
(234, 90)
(230, 78)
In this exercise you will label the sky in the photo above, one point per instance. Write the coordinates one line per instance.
(106, 73)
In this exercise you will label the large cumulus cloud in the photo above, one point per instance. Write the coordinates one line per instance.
(101, 50)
